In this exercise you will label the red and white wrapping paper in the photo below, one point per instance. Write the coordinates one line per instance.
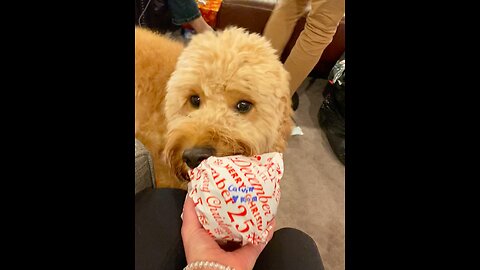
(236, 197)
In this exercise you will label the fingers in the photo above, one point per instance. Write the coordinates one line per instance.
(190, 219)
(251, 252)
(271, 229)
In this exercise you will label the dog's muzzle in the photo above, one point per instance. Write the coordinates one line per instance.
(194, 156)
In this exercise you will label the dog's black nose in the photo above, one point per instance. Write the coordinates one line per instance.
(194, 156)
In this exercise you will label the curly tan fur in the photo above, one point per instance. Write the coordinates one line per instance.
(222, 68)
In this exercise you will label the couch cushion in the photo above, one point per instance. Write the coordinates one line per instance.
(144, 174)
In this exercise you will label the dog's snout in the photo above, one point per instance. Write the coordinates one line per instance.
(194, 156)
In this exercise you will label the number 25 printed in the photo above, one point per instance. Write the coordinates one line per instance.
(241, 214)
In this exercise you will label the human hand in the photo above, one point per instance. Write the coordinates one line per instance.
(200, 246)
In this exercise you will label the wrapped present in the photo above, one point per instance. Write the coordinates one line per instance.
(209, 10)
(236, 197)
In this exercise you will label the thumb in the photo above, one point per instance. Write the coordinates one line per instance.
(190, 218)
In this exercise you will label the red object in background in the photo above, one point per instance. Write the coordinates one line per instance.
(209, 12)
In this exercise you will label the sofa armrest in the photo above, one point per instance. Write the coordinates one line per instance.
(144, 173)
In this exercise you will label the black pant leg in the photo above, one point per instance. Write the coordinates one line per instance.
(290, 249)
(158, 241)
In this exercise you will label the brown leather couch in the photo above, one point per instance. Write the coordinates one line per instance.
(254, 14)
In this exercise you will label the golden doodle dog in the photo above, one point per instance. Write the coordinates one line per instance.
(225, 93)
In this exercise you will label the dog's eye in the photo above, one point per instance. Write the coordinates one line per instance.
(244, 106)
(195, 101)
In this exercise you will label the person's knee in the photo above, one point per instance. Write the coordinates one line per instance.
(318, 34)
(301, 249)
(292, 233)
(322, 22)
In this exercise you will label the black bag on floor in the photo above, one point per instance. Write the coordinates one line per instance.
(331, 115)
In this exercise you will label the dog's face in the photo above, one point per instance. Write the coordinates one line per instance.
(228, 95)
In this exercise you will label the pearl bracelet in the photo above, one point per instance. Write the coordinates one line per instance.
(207, 264)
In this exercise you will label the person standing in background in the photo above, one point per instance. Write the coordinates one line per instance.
(321, 25)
